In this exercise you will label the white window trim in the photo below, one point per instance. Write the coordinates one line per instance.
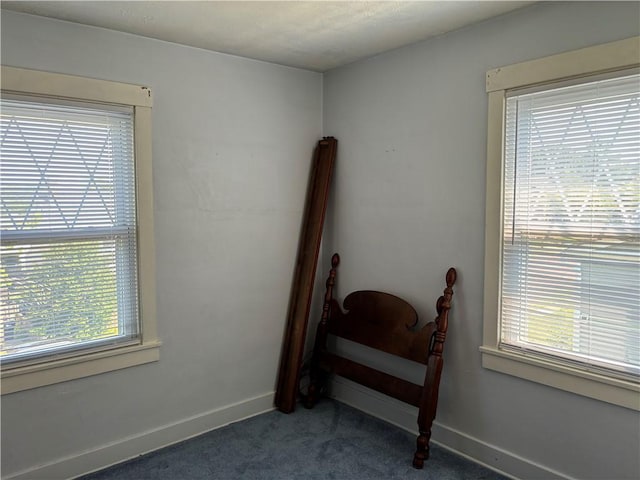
(33, 82)
(610, 57)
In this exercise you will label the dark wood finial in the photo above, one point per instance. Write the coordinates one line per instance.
(335, 260)
(452, 275)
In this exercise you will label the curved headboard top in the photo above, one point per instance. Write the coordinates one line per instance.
(381, 308)
(381, 321)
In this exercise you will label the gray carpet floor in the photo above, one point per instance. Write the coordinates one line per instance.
(332, 441)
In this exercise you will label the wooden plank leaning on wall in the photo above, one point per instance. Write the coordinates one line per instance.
(305, 272)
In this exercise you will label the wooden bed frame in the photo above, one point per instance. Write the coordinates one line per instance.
(384, 322)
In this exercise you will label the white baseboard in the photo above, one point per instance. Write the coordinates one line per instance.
(136, 445)
(405, 416)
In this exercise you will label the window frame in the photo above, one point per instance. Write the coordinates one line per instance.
(569, 66)
(18, 377)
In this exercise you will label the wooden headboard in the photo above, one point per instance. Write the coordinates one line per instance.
(387, 323)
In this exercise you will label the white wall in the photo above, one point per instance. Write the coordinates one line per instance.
(232, 145)
(408, 202)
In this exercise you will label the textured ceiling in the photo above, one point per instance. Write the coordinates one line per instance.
(316, 35)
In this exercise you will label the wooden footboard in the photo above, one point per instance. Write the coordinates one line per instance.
(387, 323)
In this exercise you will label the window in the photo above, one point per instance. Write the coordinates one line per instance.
(562, 263)
(76, 253)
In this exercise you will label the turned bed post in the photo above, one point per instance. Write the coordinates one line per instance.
(429, 400)
(320, 344)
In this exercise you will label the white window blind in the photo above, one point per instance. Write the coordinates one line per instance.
(68, 275)
(570, 285)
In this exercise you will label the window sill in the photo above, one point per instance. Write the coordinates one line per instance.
(600, 387)
(32, 376)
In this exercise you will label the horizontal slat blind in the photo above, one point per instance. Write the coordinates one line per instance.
(571, 245)
(68, 276)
